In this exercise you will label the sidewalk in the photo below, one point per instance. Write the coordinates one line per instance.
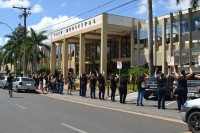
(148, 108)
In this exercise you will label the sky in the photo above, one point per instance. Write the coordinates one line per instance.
(45, 13)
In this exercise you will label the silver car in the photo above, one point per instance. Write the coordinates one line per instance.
(24, 83)
(3, 82)
(190, 113)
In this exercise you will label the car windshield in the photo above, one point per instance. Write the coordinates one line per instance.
(27, 79)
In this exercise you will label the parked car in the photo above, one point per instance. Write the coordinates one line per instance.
(24, 83)
(151, 90)
(190, 113)
(3, 82)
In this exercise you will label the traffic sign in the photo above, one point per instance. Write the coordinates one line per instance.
(119, 64)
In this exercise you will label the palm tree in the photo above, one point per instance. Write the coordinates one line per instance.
(12, 49)
(35, 40)
(193, 3)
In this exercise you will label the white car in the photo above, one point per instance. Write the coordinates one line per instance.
(190, 113)
(24, 83)
(3, 82)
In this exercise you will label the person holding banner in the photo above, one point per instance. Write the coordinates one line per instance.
(123, 89)
(181, 89)
(113, 84)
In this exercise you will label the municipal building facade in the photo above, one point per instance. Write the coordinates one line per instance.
(99, 42)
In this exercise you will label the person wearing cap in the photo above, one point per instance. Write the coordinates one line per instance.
(181, 89)
(161, 92)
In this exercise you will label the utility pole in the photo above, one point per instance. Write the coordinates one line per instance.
(150, 36)
(25, 14)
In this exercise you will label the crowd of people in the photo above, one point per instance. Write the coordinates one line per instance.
(56, 84)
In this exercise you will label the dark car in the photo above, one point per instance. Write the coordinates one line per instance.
(151, 90)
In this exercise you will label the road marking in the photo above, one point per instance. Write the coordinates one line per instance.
(73, 128)
(20, 106)
(186, 132)
(124, 111)
(170, 103)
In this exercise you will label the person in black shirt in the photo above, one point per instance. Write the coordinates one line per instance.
(83, 79)
(70, 80)
(101, 81)
(161, 82)
(10, 84)
(113, 85)
(123, 89)
(181, 89)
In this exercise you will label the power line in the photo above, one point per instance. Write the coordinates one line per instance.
(130, 7)
(121, 5)
(78, 15)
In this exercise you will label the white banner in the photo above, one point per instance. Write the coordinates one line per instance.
(170, 61)
(119, 64)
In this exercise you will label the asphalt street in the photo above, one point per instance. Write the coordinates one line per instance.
(33, 113)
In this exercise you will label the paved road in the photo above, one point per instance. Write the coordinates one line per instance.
(32, 113)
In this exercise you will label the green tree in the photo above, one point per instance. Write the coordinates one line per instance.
(35, 40)
(11, 50)
(193, 3)
(134, 72)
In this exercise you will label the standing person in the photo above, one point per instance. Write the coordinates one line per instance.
(80, 86)
(93, 81)
(41, 78)
(113, 85)
(101, 81)
(161, 92)
(70, 80)
(123, 89)
(141, 87)
(10, 84)
(181, 89)
(83, 79)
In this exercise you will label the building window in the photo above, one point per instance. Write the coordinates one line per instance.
(195, 24)
(125, 47)
(144, 37)
(66, 30)
(94, 21)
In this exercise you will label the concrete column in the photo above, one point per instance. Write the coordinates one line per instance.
(65, 58)
(103, 60)
(75, 60)
(120, 47)
(164, 45)
(138, 43)
(171, 35)
(132, 47)
(70, 56)
(53, 58)
(155, 42)
(82, 54)
(59, 55)
(180, 38)
(190, 36)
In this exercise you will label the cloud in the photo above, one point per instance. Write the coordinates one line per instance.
(171, 4)
(63, 4)
(48, 21)
(142, 9)
(1, 41)
(20, 3)
(10, 3)
(37, 9)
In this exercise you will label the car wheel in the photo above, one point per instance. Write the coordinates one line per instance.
(17, 89)
(194, 122)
